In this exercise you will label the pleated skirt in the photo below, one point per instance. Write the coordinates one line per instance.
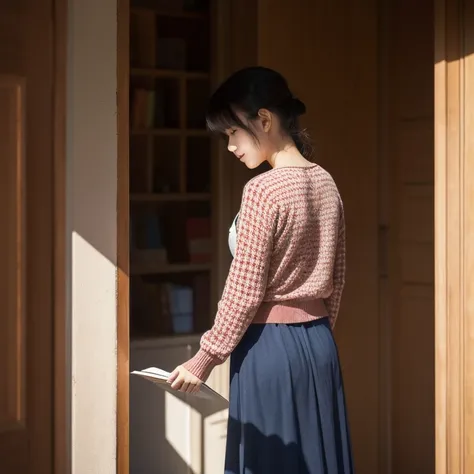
(287, 412)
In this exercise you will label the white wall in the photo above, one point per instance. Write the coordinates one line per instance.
(92, 233)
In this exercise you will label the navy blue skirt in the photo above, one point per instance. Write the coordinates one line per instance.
(287, 411)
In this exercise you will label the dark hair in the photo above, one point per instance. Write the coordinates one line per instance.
(249, 90)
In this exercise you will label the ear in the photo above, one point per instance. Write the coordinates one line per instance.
(266, 119)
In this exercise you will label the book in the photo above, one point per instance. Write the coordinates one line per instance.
(198, 234)
(159, 377)
(181, 308)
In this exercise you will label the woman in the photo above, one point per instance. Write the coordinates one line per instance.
(281, 299)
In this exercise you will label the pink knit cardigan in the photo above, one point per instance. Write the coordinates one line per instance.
(289, 264)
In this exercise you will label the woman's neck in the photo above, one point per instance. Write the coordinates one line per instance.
(289, 156)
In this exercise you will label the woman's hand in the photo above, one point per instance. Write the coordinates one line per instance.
(184, 381)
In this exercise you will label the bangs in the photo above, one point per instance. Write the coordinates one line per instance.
(220, 119)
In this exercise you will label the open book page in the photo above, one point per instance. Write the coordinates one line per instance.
(160, 377)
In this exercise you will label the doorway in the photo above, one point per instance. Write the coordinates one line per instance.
(372, 113)
(406, 235)
(172, 211)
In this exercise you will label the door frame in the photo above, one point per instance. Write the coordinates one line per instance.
(454, 236)
(123, 243)
(61, 358)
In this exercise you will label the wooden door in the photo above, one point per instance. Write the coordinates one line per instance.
(26, 236)
(407, 227)
(328, 53)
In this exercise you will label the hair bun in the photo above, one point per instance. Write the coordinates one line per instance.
(298, 106)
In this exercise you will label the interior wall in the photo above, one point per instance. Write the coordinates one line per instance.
(408, 91)
(92, 232)
(232, 52)
(328, 53)
(244, 52)
(365, 73)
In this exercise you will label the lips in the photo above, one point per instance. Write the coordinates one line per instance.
(240, 156)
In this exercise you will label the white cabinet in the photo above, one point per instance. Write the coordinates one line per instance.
(169, 435)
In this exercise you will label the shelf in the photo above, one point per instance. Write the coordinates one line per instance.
(171, 13)
(198, 165)
(197, 94)
(169, 73)
(171, 205)
(169, 197)
(171, 132)
(169, 269)
(145, 341)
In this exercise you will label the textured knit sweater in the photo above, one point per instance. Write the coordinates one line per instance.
(289, 263)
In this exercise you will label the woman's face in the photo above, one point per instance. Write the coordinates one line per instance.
(249, 151)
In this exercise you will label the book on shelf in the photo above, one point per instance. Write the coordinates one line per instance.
(181, 307)
(171, 53)
(161, 308)
(162, 5)
(146, 109)
(146, 232)
(153, 232)
(149, 303)
(198, 231)
(158, 241)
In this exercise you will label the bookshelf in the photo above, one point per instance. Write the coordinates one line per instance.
(171, 238)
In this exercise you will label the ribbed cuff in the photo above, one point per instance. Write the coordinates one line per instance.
(201, 364)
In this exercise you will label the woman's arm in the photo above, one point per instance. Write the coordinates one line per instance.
(334, 301)
(245, 285)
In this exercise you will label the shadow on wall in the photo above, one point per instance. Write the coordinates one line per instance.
(161, 429)
(172, 433)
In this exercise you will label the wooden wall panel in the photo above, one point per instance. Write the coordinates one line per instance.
(416, 211)
(123, 236)
(454, 231)
(413, 381)
(13, 256)
(414, 147)
(328, 53)
(408, 90)
(334, 56)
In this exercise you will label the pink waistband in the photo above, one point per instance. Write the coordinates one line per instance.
(288, 312)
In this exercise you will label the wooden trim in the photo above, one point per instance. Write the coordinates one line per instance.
(123, 203)
(61, 434)
(468, 221)
(440, 240)
(388, 270)
(454, 236)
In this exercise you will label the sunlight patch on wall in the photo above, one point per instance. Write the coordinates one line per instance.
(178, 430)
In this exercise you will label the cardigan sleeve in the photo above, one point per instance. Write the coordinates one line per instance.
(245, 285)
(333, 302)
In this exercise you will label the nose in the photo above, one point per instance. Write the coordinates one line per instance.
(232, 148)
